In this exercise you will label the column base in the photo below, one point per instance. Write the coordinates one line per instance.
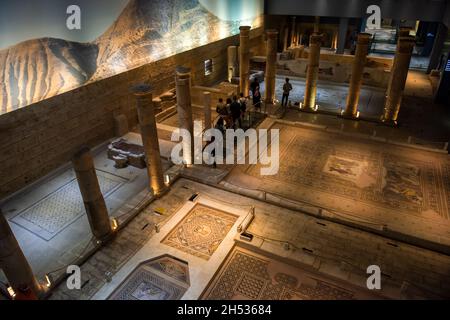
(389, 122)
(162, 192)
(308, 109)
(349, 116)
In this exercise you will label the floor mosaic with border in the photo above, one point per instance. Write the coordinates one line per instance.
(201, 231)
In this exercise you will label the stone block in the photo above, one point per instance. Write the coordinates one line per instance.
(120, 125)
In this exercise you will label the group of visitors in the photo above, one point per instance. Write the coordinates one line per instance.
(231, 113)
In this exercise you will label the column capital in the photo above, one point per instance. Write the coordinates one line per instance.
(272, 33)
(315, 38)
(182, 72)
(141, 89)
(404, 31)
(244, 29)
(363, 38)
(82, 160)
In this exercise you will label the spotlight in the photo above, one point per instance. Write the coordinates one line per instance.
(48, 280)
(11, 292)
(166, 179)
(114, 224)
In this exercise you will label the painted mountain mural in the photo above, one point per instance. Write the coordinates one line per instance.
(146, 31)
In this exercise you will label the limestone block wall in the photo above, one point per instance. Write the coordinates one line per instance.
(41, 137)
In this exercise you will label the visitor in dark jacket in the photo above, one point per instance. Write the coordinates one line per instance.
(235, 109)
(257, 99)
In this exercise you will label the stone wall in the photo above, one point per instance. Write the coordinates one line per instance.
(41, 137)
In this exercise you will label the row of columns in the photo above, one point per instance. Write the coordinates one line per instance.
(12, 260)
(395, 88)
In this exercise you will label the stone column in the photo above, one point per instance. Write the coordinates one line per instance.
(397, 82)
(309, 103)
(359, 62)
(207, 109)
(149, 133)
(342, 35)
(94, 203)
(316, 24)
(285, 39)
(298, 32)
(232, 62)
(403, 32)
(293, 33)
(244, 59)
(438, 45)
(271, 65)
(13, 262)
(184, 110)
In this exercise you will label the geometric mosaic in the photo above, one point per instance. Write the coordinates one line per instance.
(201, 231)
(50, 215)
(249, 276)
(163, 278)
(410, 182)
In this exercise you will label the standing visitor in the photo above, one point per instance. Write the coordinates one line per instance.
(254, 85)
(257, 99)
(235, 109)
(287, 88)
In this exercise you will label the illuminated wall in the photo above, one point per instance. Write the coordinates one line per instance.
(144, 31)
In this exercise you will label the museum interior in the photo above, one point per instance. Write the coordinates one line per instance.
(345, 105)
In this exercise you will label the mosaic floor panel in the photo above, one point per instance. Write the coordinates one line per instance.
(201, 231)
(246, 275)
(388, 177)
(53, 213)
(164, 278)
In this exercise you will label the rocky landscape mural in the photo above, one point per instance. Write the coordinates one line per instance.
(145, 31)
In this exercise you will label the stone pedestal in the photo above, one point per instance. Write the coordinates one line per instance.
(271, 65)
(94, 202)
(120, 125)
(184, 110)
(397, 81)
(362, 49)
(244, 60)
(149, 133)
(309, 102)
(157, 105)
(232, 58)
(207, 110)
(14, 264)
